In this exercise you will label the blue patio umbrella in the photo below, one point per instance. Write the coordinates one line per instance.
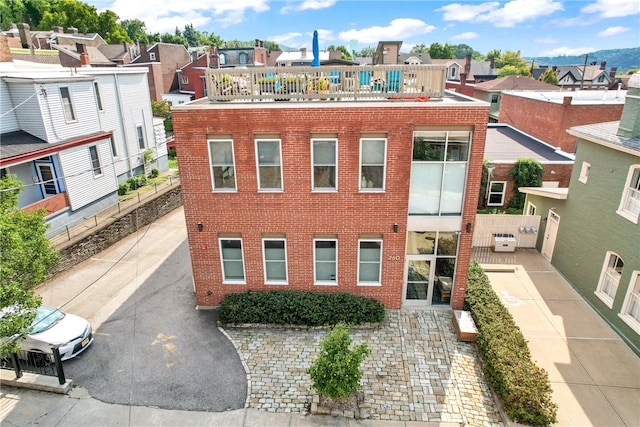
(316, 51)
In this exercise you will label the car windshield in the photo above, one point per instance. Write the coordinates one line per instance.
(45, 318)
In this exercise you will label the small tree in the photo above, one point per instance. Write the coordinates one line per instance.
(336, 372)
(549, 76)
(26, 256)
(525, 173)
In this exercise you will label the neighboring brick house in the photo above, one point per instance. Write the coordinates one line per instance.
(504, 146)
(579, 77)
(548, 115)
(491, 91)
(591, 230)
(163, 61)
(374, 198)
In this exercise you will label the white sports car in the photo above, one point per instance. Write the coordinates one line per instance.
(51, 328)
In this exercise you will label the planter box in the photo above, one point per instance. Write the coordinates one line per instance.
(465, 326)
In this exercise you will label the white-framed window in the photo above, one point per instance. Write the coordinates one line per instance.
(95, 160)
(610, 278)
(223, 174)
(324, 159)
(114, 147)
(184, 80)
(140, 134)
(96, 89)
(584, 172)
(369, 262)
(268, 157)
(438, 172)
(630, 312)
(152, 56)
(325, 257)
(67, 104)
(531, 208)
(630, 202)
(454, 73)
(243, 58)
(494, 99)
(496, 193)
(232, 260)
(274, 251)
(373, 159)
(222, 58)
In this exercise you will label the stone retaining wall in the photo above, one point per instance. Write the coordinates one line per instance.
(128, 221)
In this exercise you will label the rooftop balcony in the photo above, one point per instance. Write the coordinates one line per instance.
(339, 83)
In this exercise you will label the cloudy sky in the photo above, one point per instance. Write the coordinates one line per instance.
(535, 27)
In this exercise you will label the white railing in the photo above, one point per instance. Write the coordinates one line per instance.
(341, 83)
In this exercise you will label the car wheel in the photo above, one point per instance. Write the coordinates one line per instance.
(37, 358)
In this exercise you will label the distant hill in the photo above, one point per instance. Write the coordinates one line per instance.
(623, 59)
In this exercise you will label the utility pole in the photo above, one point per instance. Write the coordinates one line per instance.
(584, 70)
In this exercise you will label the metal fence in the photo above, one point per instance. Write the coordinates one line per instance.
(36, 363)
(82, 225)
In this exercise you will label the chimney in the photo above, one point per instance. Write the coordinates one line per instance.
(612, 72)
(25, 35)
(81, 48)
(567, 100)
(630, 120)
(214, 57)
(84, 60)
(554, 68)
(57, 29)
(257, 43)
(463, 79)
(492, 64)
(72, 30)
(5, 53)
(467, 65)
(603, 65)
(303, 52)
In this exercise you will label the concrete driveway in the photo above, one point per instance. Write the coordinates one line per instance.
(152, 347)
(594, 375)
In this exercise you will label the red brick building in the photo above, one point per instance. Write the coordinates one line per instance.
(376, 198)
(548, 115)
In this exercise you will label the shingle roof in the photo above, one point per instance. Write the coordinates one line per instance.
(606, 132)
(514, 83)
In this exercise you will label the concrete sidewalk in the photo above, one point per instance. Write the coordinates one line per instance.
(594, 375)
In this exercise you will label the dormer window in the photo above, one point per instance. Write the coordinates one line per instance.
(152, 56)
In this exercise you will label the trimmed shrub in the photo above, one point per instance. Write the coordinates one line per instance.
(154, 173)
(285, 307)
(123, 188)
(523, 387)
(136, 182)
(336, 372)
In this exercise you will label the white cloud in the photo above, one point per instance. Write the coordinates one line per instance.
(398, 29)
(546, 40)
(613, 31)
(465, 36)
(295, 6)
(165, 15)
(560, 51)
(613, 8)
(511, 13)
(288, 39)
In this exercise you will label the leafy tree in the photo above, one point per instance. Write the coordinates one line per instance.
(493, 54)
(419, 48)
(438, 51)
(173, 38)
(12, 12)
(512, 70)
(136, 30)
(163, 109)
(271, 46)
(461, 51)
(26, 255)
(525, 173)
(336, 372)
(190, 35)
(511, 58)
(549, 76)
(71, 13)
(345, 52)
(110, 30)
(205, 39)
(367, 52)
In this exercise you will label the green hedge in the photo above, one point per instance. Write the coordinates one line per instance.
(299, 308)
(523, 387)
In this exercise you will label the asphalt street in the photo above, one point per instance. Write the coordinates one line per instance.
(155, 349)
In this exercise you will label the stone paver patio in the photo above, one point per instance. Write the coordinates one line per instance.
(417, 370)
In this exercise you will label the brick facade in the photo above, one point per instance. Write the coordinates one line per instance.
(297, 213)
(549, 121)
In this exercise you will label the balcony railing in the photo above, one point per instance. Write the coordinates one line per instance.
(341, 83)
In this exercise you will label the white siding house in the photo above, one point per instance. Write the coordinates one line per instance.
(72, 135)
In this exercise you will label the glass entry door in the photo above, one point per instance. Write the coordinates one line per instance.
(419, 280)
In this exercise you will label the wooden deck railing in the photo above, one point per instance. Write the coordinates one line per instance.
(341, 83)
